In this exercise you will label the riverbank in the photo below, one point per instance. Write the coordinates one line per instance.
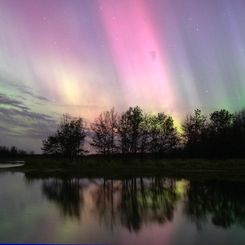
(117, 166)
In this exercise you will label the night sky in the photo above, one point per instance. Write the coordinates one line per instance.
(83, 57)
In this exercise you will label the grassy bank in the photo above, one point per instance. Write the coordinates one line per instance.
(116, 166)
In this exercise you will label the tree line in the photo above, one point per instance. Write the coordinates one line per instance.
(13, 151)
(135, 132)
(139, 201)
(136, 202)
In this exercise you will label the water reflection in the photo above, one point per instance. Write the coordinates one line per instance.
(128, 202)
(65, 193)
(222, 202)
(134, 202)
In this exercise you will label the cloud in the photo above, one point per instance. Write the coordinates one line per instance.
(17, 108)
(5, 100)
(20, 87)
(18, 121)
(25, 113)
(21, 125)
(41, 98)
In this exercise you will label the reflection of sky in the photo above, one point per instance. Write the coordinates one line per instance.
(86, 56)
(27, 216)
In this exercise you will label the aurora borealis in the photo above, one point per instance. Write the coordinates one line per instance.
(85, 56)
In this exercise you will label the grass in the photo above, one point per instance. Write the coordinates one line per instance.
(118, 166)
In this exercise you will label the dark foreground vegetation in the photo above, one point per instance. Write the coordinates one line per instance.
(13, 151)
(139, 143)
(118, 166)
(221, 134)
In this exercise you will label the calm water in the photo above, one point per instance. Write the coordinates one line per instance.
(124, 211)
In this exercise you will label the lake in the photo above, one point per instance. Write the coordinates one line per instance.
(121, 211)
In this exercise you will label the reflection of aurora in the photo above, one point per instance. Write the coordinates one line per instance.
(135, 202)
(129, 202)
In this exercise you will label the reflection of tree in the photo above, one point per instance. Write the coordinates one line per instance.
(65, 193)
(135, 201)
(128, 202)
(143, 204)
(224, 202)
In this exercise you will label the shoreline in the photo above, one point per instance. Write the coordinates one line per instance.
(198, 168)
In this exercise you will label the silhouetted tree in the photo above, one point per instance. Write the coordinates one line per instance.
(163, 136)
(220, 121)
(13, 151)
(129, 129)
(218, 137)
(238, 132)
(105, 130)
(222, 134)
(193, 129)
(68, 139)
(144, 139)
